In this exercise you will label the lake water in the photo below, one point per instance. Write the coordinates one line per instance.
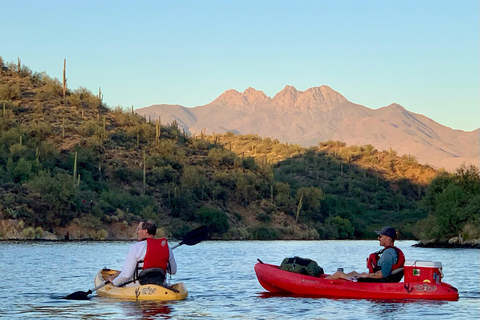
(221, 282)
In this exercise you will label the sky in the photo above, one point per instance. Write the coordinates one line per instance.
(421, 54)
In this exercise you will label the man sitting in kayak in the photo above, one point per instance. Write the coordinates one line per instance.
(154, 253)
(380, 264)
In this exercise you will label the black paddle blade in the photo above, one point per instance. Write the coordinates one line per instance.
(195, 236)
(79, 295)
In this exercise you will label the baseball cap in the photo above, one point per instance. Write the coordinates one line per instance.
(388, 231)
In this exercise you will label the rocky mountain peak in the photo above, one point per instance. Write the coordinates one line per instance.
(317, 98)
(249, 99)
(255, 97)
(286, 99)
(322, 114)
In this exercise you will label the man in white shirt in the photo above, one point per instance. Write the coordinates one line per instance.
(146, 230)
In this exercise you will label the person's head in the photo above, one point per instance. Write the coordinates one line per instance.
(387, 236)
(146, 229)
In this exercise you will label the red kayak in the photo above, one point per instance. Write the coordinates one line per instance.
(276, 280)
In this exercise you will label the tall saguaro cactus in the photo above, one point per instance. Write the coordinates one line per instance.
(75, 170)
(299, 207)
(104, 128)
(64, 77)
(144, 172)
(157, 132)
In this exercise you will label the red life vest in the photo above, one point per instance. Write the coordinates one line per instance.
(372, 260)
(157, 254)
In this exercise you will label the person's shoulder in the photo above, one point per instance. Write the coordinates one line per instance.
(139, 244)
(390, 250)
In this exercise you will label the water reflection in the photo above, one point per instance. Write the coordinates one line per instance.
(147, 309)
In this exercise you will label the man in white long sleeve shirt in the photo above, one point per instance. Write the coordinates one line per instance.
(159, 255)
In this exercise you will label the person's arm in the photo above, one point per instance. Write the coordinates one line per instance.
(172, 264)
(373, 275)
(128, 267)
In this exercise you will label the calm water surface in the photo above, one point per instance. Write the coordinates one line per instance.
(221, 282)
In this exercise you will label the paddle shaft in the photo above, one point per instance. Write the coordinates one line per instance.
(99, 286)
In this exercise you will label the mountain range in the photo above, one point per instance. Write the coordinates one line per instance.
(320, 114)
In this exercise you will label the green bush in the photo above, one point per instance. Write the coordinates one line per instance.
(339, 228)
(215, 219)
(29, 233)
(263, 233)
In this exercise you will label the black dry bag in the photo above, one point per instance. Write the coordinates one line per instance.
(301, 265)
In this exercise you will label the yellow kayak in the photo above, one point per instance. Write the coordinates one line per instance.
(176, 291)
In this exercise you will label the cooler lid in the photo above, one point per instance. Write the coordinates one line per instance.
(421, 263)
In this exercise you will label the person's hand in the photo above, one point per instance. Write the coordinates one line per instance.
(113, 276)
(363, 275)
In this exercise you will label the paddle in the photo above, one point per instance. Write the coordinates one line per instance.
(192, 238)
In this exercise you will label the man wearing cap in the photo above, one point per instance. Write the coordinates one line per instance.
(380, 264)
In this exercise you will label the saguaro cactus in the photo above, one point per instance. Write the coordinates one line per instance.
(144, 172)
(64, 77)
(157, 132)
(104, 128)
(75, 170)
(271, 194)
(299, 207)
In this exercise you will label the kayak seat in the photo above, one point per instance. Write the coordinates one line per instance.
(395, 276)
(152, 276)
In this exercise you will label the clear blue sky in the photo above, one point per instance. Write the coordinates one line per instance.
(421, 54)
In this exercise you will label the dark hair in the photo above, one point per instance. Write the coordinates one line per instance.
(150, 226)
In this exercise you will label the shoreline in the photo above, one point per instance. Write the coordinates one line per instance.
(419, 244)
(448, 245)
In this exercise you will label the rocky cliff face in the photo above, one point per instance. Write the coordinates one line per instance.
(321, 114)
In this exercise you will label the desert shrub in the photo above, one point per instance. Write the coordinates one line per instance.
(149, 212)
(51, 90)
(90, 128)
(22, 170)
(159, 175)
(58, 192)
(339, 228)
(98, 235)
(263, 233)
(220, 157)
(263, 217)
(178, 229)
(215, 219)
(10, 91)
(249, 163)
(39, 232)
(29, 233)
